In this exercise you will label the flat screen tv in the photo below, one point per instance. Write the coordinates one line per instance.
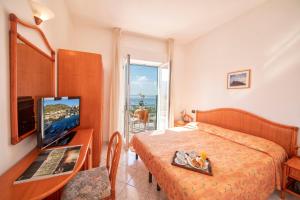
(57, 116)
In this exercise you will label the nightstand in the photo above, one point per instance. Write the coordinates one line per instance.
(291, 173)
(180, 123)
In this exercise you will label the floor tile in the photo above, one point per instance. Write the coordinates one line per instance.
(157, 195)
(132, 193)
(276, 196)
(123, 174)
(120, 186)
(141, 183)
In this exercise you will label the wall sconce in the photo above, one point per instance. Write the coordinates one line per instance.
(40, 12)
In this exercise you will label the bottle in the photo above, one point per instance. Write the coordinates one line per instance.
(203, 155)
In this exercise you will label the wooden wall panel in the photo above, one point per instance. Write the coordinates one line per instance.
(34, 72)
(81, 74)
(246, 122)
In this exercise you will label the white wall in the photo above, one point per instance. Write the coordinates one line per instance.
(58, 29)
(142, 47)
(178, 71)
(265, 40)
(96, 40)
(10, 154)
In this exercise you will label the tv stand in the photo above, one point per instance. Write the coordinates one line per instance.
(64, 140)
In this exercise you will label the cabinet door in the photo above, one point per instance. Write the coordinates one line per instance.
(81, 74)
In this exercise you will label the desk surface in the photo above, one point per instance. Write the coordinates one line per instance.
(40, 189)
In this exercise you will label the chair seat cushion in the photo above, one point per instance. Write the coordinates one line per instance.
(89, 184)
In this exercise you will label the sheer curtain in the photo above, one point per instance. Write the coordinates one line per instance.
(171, 85)
(114, 106)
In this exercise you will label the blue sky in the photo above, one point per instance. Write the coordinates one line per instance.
(143, 80)
(69, 102)
(238, 77)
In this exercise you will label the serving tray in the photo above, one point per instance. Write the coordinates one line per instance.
(187, 166)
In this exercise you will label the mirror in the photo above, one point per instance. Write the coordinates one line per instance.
(32, 76)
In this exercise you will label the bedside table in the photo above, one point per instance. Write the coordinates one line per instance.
(291, 173)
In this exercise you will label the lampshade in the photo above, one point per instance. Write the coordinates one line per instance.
(40, 12)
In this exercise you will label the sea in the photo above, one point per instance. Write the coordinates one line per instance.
(59, 128)
(149, 100)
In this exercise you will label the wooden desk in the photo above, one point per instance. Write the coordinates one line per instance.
(40, 189)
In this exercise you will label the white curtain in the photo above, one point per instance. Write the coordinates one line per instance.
(171, 83)
(114, 107)
(146, 48)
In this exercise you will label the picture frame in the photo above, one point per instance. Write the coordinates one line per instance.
(239, 79)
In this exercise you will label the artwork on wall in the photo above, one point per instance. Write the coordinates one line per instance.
(238, 79)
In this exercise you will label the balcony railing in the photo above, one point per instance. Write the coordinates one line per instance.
(152, 116)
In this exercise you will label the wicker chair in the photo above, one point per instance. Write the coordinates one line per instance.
(97, 183)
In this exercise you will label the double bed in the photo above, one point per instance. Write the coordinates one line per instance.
(246, 152)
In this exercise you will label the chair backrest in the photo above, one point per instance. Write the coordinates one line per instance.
(139, 113)
(113, 157)
(146, 116)
(142, 114)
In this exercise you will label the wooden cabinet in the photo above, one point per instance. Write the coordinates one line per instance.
(291, 173)
(81, 74)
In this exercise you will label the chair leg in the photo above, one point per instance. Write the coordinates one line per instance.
(113, 195)
(157, 187)
(150, 177)
(136, 156)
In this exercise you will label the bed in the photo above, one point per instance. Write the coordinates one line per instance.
(246, 152)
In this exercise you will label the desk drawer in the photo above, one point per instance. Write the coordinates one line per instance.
(295, 173)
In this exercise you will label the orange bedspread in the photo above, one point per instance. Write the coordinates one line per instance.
(244, 166)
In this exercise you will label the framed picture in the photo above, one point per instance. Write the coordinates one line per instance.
(238, 79)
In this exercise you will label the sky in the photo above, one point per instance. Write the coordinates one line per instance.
(69, 102)
(143, 80)
(238, 77)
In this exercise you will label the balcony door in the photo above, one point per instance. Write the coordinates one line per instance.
(146, 97)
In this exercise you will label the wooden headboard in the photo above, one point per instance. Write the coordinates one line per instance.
(239, 120)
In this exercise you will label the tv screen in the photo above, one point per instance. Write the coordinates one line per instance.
(58, 115)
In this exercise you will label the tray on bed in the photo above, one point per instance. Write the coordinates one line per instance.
(186, 164)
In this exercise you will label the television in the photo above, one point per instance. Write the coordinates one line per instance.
(57, 117)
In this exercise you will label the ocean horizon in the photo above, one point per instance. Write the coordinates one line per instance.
(149, 100)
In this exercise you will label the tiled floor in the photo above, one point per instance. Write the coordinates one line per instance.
(132, 180)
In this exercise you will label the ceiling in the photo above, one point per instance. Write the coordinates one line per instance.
(183, 20)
